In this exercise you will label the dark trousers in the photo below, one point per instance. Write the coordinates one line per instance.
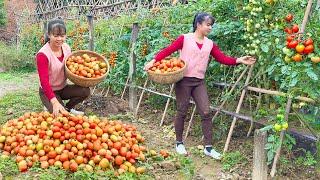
(75, 94)
(195, 88)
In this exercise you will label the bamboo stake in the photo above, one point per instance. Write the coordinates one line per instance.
(167, 105)
(238, 109)
(102, 91)
(125, 87)
(271, 92)
(251, 123)
(142, 92)
(190, 122)
(306, 15)
(302, 121)
(278, 151)
(94, 88)
(107, 92)
(231, 90)
(257, 108)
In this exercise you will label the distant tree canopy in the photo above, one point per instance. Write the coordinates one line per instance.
(2, 13)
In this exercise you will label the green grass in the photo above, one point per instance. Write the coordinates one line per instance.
(231, 159)
(8, 167)
(18, 102)
(13, 76)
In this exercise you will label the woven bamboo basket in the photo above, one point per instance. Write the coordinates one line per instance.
(81, 81)
(168, 78)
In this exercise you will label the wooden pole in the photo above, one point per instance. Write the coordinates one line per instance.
(306, 15)
(302, 121)
(125, 87)
(140, 99)
(271, 92)
(260, 168)
(240, 116)
(231, 90)
(18, 34)
(106, 95)
(167, 105)
(45, 28)
(238, 110)
(102, 91)
(257, 108)
(132, 68)
(190, 122)
(91, 31)
(278, 151)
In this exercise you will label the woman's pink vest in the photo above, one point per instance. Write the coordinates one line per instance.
(197, 59)
(57, 78)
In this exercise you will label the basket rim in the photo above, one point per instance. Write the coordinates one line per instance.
(92, 52)
(170, 73)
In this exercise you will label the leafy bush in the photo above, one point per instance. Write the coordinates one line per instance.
(13, 59)
(3, 16)
(241, 28)
(8, 167)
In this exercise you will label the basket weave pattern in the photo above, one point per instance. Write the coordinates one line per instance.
(168, 78)
(81, 81)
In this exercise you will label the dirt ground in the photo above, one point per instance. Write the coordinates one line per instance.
(156, 137)
(163, 137)
(27, 83)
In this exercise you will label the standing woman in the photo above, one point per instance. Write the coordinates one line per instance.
(50, 65)
(196, 49)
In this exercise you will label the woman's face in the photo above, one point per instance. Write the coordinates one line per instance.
(57, 37)
(205, 27)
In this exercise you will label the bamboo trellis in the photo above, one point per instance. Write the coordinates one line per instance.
(73, 9)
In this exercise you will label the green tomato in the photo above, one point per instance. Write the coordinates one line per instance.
(280, 117)
(295, 105)
(285, 126)
(277, 127)
(287, 59)
(248, 8)
(269, 1)
(287, 51)
(311, 55)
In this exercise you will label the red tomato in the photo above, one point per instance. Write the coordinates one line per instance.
(293, 44)
(295, 28)
(308, 42)
(308, 49)
(289, 17)
(290, 38)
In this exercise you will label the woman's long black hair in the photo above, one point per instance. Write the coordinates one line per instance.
(200, 17)
(56, 27)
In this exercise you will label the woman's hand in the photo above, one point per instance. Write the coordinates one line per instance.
(56, 107)
(247, 60)
(149, 65)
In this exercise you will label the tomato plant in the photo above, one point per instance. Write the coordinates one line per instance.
(250, 27)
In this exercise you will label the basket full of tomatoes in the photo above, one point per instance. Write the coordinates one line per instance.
(86, 68)
(167, 71)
